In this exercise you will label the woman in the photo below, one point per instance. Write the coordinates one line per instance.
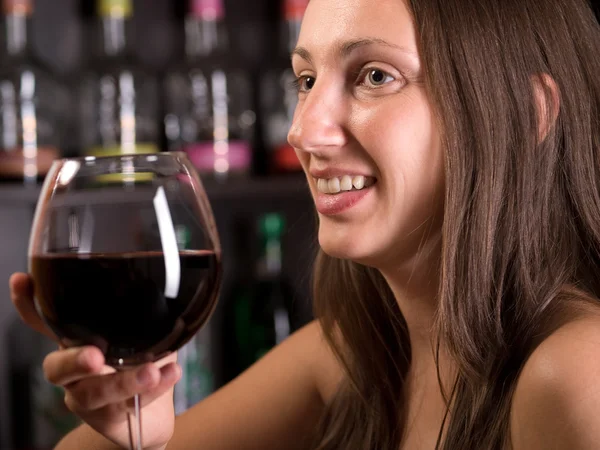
(452, 149)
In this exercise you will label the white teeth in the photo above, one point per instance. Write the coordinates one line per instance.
(334, 185)
(323, 186)
(358, 182)
(346, 184)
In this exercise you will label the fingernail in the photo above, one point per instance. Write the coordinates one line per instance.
(144, 376)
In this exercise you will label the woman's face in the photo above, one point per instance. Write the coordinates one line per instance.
(364, 131)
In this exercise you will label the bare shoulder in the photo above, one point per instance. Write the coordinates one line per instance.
(274, 404)
(556, 404)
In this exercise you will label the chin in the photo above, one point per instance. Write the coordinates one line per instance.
(347, 248)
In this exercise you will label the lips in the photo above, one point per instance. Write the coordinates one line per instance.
(344, 201)
(337, 190)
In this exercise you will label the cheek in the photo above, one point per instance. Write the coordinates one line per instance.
(405, 145)
(403, 140)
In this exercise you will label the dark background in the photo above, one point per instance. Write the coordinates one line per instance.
(63, 39)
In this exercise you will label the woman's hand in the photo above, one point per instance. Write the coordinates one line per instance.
(98, 394)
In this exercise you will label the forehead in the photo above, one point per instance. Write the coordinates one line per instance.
(332, 21)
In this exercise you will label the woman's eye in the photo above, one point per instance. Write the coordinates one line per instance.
(304, 83)
(377, 77)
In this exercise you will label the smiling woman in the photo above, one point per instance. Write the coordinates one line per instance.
(363, 111)
(452, 151)
(479, 236)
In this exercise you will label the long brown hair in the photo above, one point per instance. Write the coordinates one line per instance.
(521, 231)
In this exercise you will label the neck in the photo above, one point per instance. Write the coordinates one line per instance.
(114, 35)
(415, 286)
(204, 37)
(17, 42)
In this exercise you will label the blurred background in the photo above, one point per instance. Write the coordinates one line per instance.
(207, 77)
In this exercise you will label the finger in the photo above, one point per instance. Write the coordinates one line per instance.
(64, 367)
(21, 293)
(88, 397)
(169, 376)
(100, 391)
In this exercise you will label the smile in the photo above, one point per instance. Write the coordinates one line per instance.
(346, 183)
(335, 196)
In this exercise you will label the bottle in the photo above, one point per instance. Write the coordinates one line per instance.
(195, 358)
(39, 416)
(257, 315)
(119, 98)
(32, 101)
(278, 98)
(208, 99)
(197, 377)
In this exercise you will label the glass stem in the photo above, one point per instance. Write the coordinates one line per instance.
(134, 421)
(135, 425)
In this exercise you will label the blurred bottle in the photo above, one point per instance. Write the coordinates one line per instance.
(119, 98)
(208, 99)
(32, 101)
(195, 358)
(257, 312)
(278, 97)
(197, 378)
(39, 416)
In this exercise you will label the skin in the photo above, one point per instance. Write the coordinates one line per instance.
(365, 111)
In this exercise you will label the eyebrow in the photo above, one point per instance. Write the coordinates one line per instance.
(346, 48)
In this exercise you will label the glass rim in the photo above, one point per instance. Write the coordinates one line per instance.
(120, 156)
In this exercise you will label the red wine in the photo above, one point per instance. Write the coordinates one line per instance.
(123, 304)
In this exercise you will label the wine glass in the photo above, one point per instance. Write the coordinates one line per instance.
(125, 255)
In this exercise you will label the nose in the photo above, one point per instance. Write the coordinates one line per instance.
(318, 121)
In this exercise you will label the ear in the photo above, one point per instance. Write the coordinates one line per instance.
(547, 102)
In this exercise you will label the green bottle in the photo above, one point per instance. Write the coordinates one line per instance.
(259, 310)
